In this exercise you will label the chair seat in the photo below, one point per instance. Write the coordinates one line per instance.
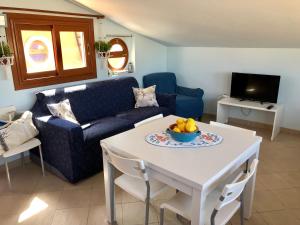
(182, 204)
(22, 148)
(137, 187)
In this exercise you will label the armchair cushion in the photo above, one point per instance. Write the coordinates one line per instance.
(192, 92)
(187, 106)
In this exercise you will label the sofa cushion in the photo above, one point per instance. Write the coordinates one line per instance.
(139, 114)
(105, 127)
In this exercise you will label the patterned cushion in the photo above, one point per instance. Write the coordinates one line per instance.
(145, 97)
(62, 110)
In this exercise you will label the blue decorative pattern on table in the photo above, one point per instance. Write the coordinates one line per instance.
(163, 139)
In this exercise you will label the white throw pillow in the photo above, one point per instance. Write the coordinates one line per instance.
(62, 110)
(17, 132)
(145, 97)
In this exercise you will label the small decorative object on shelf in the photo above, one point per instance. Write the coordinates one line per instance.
(130, 67)
(103, 49)
(6, 56)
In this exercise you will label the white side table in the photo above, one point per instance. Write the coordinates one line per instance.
(225, 104)
(20, 150)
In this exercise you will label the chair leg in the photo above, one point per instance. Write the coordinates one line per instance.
(161, 216)
(22, 159)
(42, 160)
(242, 209)
(7, 173)
(147, 211)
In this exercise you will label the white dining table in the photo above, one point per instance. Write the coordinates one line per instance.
(194, 171)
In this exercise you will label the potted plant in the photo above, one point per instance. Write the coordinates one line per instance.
(103, 48)
(6, 56)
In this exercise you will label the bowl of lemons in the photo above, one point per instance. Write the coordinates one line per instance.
(184, 130)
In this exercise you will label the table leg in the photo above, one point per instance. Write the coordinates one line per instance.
(249, 189)
(108, 171)
(198, 206)
(276, 123)
(222, 113)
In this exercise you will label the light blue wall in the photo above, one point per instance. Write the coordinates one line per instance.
(210, 69)
(149, 56)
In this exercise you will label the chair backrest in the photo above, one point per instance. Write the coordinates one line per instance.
(148, 120)
(232, 191)
(132, 167)
(7, 113)
(250, 132)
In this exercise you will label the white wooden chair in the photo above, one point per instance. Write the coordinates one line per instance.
(251, 132)
(20, 150)
(148, 120)
(135, 179)
(219, 206)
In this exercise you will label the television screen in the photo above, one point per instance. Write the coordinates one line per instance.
(256, 87)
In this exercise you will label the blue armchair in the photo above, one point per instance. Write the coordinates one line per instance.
(189, 101)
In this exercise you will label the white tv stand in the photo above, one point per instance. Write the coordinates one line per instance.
(226, 103)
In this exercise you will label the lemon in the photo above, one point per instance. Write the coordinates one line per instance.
(181, 126)
(190, 127)
(176, 129)
(191, 120)
(180, 121)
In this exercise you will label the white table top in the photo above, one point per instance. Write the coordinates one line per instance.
(197, 165)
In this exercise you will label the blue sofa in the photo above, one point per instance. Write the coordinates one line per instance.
(189, 101)
(108, 109)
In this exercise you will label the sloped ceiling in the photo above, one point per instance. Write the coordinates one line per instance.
(208, 23)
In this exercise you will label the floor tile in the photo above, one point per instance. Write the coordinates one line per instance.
(50, 183)
(134, 213)
(74, 199)
(77, 216)
(289, 197)
(265, 200)
(13, 204)
(256, 219)
(97, 215)
(273, 181)
(280, 218)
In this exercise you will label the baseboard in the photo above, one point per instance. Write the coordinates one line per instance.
(251, 124)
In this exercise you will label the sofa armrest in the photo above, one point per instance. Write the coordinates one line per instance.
(62, 144)
(193, 92)
(167, 100)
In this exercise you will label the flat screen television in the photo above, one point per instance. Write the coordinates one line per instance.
(255, 87)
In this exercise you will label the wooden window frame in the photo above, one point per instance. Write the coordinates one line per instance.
(17, 21)
(119, 54)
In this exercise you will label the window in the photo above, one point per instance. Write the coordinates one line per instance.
(118, 55)
(50, 49)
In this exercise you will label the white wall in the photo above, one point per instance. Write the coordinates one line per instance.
(149, 57)
(210, 69)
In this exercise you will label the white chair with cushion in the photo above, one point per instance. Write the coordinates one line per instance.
(148, 120)
(219, 206)
(251, 132)
(33, 143)
(135, 179)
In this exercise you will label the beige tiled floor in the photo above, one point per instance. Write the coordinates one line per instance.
(37, 200)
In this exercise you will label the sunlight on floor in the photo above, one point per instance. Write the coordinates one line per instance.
(36, 206)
